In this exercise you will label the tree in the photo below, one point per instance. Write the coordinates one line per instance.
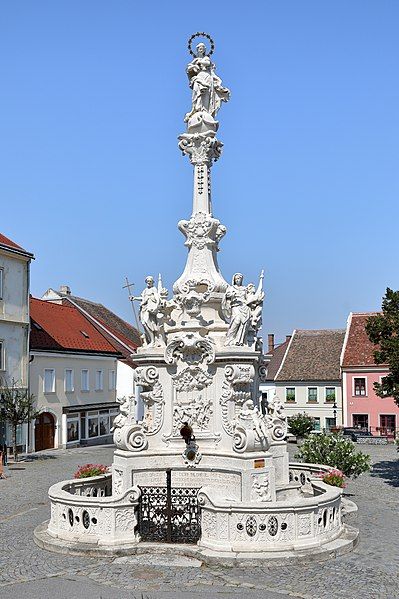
(335, 451)
(383, 330)
(17, 408)
(300, 425)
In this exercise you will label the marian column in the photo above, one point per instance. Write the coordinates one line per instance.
(198, 369)
(197, 460)
(201, 281)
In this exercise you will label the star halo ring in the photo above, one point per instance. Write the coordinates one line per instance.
(201, 34)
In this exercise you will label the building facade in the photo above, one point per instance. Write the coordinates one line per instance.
(363, 409)
(14, 323)
(123, 336)
(73, 376)
(307, 376)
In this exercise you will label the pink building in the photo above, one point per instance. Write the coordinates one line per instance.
(362, 407)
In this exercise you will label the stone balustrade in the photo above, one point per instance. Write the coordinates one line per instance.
(312, 520)
(84, 510)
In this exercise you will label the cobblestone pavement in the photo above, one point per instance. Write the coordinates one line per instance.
(369, 572)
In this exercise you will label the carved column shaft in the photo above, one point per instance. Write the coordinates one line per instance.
(202, 189)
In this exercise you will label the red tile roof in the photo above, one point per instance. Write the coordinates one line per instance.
(359, 351)
(5, 241)
(108, 319)
(58, 328)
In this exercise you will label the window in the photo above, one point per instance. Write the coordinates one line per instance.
(2, 360)
(68, 380)
(312, 394)
(104, 422)
(49, 380)
(330, 394)
(290, 394)
(92, 424)
(330, 423)
(112, 380)
(361, 421)
(263, 403)
(112, 415)
(99, 423)
(72, 427)
(316, 424)
(359, 386)
(99, 380)
(84, 380)
(1, 283)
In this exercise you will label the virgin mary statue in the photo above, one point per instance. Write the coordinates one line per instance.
(208, 92)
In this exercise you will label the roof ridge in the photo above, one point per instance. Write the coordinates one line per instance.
(320, 330)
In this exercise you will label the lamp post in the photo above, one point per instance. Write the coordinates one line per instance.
(335, 413)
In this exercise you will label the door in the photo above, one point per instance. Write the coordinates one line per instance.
(169, 514)
(387, 424)
(44, 431)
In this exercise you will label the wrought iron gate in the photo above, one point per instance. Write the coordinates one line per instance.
(169, 514)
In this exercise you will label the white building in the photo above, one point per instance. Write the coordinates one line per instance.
(122, 335)
(73, 376)
(14, 321)
(306, 372)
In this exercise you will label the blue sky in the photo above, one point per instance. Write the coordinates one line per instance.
(93, 95)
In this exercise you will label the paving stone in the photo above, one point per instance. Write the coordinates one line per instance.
(26, 571)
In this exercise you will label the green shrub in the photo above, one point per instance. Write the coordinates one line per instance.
(300, 425)
(335, 451)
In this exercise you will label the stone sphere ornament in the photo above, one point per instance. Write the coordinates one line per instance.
(203, 35)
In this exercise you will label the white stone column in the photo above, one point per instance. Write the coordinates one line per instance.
(202, 188)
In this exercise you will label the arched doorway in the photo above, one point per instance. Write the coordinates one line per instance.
(44, 431)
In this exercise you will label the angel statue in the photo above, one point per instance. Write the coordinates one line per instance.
(153, 305)
(242, 305)
(235, 308)
(208, 92)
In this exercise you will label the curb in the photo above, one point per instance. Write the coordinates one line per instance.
(345, 543)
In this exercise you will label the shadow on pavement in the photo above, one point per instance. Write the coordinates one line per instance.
(39, 456)
(388, 470)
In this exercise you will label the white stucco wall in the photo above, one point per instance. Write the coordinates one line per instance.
(321, 409)
(124, 381)
(14, 317)
(55, 402)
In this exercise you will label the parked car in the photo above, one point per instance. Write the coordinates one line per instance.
(354, 433)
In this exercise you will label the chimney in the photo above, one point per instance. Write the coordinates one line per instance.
(270, 342)
(288, 337)
(65, 289)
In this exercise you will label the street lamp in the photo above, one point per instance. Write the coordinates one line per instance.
(335, 413)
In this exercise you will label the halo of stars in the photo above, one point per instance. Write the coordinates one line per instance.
(201, 34)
